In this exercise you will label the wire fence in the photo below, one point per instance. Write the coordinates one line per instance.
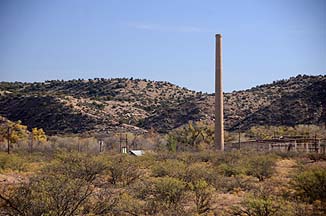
(308, 145)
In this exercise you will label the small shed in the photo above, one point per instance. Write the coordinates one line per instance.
(136, 152)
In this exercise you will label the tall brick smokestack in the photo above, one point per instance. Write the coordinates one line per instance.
(219, 128)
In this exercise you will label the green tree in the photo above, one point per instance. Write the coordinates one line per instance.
(171, 143)
(13, 132)
(37, 135)
(194, 135)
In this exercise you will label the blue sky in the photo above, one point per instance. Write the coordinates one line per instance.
(170, 40)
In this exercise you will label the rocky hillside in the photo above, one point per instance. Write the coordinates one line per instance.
(136, 105)
(298, 100)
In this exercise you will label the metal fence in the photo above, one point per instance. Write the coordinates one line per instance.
(285, 145)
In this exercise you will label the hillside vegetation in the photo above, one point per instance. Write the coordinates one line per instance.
(134, 105)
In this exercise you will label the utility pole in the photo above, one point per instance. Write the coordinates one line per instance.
(239, 137)
(8, 140)
(32, 142)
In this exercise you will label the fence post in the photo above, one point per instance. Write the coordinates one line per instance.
(100, 142)
(127, 142)
(270, 147)
(120, 143)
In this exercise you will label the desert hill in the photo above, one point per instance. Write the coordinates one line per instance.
(136, 105)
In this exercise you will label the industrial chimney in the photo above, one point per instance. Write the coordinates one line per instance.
(219, 128)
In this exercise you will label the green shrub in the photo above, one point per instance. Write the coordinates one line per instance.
(172, 168)
(261, 166)
(127, 205)
(169, 190)
(311, 184)
(261, 206)
(203, 156)
(12, 162)
(116, 172)
(48, 195)
(287, 155)
(262, 203)
(203, 194)
(317, 157)
(234, 183)
(103, 202)
(199, 171)
(61, 188)
(76, 165)
(230, 158)
(141, 189)
(229, 170)
(163, 196)
(124, 170)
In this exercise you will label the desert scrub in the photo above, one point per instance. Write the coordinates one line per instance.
(203, 195)
(231, 158)
(128, 205)
(231, 163)
(288, 155)
(310, 184)
(261, 166)
(201, 156)
(317, 157)
(12, 162)
(227, 184)
(262, 206)
(171, 167)
(124, 170)
(47, 195)
(200, 171)
(230, 170)
(162, 195)
(168, 190)
(76, 165)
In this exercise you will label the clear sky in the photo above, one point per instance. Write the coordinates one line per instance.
(170, 40)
